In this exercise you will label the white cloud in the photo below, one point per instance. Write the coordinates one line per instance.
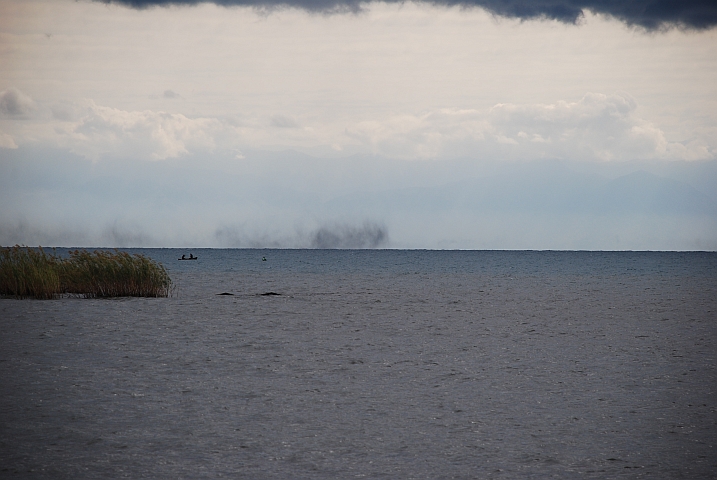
(330, 73)
(106, 131)
(96, 131)
(15, 103)
(597, 127)
(6, 141)
(284, 121)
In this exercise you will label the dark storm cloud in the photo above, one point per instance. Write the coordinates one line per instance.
(650, 14)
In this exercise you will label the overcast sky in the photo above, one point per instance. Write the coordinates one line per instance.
(311, 123)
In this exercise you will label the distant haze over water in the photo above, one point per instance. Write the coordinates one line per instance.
(293, 200)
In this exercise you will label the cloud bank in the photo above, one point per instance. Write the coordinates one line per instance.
(597, 127)
(649, 14)
(139, 134)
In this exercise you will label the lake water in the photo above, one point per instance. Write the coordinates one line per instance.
(372, 364)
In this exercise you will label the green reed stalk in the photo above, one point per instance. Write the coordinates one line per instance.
(27, 272)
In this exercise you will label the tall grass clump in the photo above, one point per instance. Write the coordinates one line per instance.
(28, 272)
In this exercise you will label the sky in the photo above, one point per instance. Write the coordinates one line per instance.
(485, 124)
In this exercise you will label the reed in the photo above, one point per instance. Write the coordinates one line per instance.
(29, 272)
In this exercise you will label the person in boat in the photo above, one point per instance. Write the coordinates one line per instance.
(191, 257)
(184, 257)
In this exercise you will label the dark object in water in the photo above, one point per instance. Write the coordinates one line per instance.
(190, 258)
(269, 294)
(225, 293)
(263, 259)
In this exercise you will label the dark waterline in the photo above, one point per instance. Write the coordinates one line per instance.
(374, 364)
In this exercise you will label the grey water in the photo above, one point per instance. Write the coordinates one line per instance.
(372, 364)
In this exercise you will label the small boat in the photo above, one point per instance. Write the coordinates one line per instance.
(191, 257)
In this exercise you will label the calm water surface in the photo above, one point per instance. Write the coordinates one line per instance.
(373, 364)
